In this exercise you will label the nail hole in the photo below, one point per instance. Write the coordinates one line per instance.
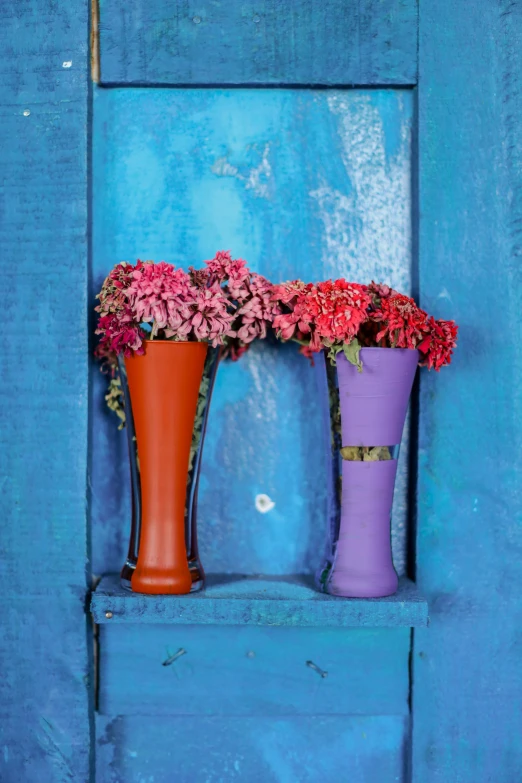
(196, 19)
(27, 113)
(108, 615)
(264, 503)
(251, 654)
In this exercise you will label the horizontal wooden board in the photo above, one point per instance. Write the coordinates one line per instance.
(300, 183)
(284, 750)
(237, 600)
(186, 670)
(370, 42)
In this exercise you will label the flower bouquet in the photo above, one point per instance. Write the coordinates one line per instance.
(369, 340)
(163, 331)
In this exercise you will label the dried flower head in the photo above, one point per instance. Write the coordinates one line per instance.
(337, 315)
(223, 303)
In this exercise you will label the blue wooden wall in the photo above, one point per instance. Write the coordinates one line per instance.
(464, 685)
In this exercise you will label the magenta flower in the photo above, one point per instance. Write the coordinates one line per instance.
(224, 304)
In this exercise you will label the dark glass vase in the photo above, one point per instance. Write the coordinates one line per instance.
(194, 467)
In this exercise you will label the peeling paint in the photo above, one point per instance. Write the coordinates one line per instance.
(368, 229)
(254, 178)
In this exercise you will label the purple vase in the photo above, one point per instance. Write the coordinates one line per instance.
(373, 407)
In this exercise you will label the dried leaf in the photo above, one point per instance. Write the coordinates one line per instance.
(352, 352)
(352, 453)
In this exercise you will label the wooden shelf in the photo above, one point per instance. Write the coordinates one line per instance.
(264, 600)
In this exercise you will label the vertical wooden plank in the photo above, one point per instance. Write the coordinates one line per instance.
(467, 670)
(44, 715)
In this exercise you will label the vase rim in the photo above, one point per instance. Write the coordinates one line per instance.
(204, 343)
(169, 345)
(380, 348)
(178, 342)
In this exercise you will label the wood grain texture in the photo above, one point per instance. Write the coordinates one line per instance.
(258, 750)
(236, 600)
(44, 687)
(467, 667)
(300, 183)
(253, 671)
(371, 42)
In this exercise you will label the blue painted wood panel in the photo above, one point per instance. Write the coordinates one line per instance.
(287, 601)
(371, 42)
(44, 660)
(300, 183)
(467, 666)
(257, 750)
(240, 670)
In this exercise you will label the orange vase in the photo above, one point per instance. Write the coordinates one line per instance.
(164, 385)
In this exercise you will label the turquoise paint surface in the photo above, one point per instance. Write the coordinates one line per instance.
(257, 750)
(253, 671)
(313, 184)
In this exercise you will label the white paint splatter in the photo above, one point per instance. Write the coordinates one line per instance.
(264, 503)
(368, 227)
(255, 179)
(262, 366)
(67, 64)
(444, 294)
(263, 171)
(223, 168)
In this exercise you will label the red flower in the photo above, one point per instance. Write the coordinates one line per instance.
(437, 347)
(321, 315)
(403, 324)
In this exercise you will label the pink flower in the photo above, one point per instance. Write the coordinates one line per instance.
(249, 297)
(222, 304)
(402, 323)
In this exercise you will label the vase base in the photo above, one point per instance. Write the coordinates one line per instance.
(351, 585)
(126, 574)
(195, 568)
(197, 574)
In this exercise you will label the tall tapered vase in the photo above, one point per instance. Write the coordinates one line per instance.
(163, 388)
(196, 453)
(373, 405)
